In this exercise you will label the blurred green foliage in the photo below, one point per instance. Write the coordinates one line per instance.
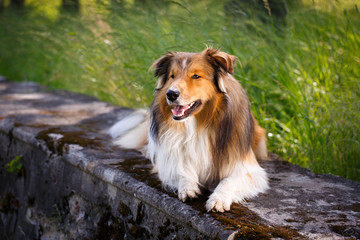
(301, 70)
(14, 165)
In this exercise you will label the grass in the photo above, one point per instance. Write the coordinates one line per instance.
(302, 76)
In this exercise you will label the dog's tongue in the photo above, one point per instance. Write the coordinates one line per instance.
(179, 110)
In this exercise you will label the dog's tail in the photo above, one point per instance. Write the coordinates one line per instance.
(132, 131)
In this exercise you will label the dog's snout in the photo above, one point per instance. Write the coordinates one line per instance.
(172, 95)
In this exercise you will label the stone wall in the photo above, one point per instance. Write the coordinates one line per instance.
(62, 179)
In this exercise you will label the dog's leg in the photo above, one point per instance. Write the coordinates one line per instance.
(245, 181)
(173, 171)
(188, 189)
(222, 197)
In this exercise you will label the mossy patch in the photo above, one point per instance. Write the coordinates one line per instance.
(60, 145)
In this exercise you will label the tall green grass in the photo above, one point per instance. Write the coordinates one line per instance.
(303, 77)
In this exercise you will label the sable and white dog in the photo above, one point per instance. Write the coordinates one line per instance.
(199, 131)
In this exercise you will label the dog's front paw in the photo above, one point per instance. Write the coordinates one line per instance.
(218, 203)
(189, 191)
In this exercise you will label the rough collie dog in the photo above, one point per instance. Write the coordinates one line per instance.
(199, 132)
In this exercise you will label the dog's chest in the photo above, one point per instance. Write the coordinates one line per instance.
(188, 150)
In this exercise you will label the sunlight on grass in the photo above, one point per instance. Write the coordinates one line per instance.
(301, 74)
(330, 6)
(49, 9)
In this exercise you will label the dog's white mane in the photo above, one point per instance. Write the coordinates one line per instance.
(181, 153)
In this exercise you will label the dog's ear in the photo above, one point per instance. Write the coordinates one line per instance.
(162, 66)
(223, 64)
(222, 60)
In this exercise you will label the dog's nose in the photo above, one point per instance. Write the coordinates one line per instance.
(172, 95)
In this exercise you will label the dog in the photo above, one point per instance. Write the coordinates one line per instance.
(199, 131)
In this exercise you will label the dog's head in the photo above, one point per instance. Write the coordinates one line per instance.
(189, 80)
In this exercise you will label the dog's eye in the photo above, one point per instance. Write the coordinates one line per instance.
(195, 76)
(172, 76)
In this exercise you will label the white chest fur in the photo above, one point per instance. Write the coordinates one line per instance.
(181, 154)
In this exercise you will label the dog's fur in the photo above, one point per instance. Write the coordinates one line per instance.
(200, 131)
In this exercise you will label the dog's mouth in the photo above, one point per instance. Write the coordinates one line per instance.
(181, 112)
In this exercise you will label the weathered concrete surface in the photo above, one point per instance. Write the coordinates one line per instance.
(71, 183)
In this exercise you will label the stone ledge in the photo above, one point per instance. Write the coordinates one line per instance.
(72, 183)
